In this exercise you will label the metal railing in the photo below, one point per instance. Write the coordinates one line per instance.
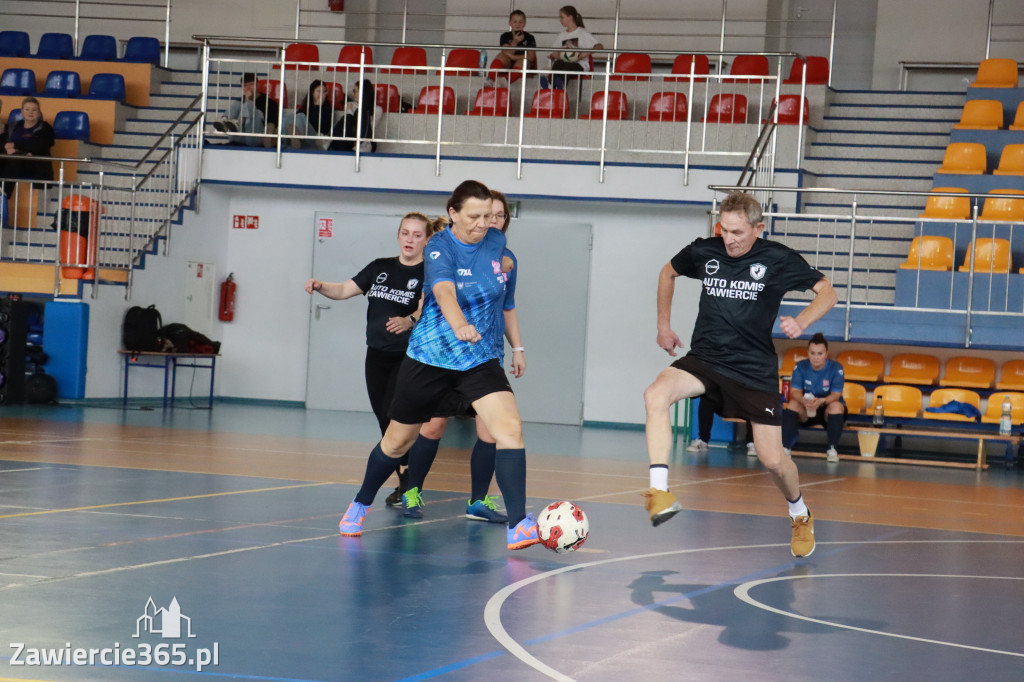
(513, 131)
(864, 253)
(100, 214)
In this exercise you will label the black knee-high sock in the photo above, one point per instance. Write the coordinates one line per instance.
(834, 429)
(790, 428)
(378, 468)
(510, 470)
(421, 458)
(481, 468)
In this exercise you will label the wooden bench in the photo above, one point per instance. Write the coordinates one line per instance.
(869, 445)
(169, 363)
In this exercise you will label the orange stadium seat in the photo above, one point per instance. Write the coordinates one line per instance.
(913, 368)
(862, 365)
(938, 206)
(548, 104)
(790, 358)
(1003, 208)
(1011, 161)
(964, 158)
(1018, 120)
(930, 252)
(1011, 376)
(969, 372)
(628, 66)
(855, 396)
(993, 256)
(996, 73)
(897, 400)
(490, 102)
(941, 396)
(682, 65)
(432, 99)
(817, 71)
(615, 103)
(994, 408)
(981, 114)
(666, 106)
(728, 108)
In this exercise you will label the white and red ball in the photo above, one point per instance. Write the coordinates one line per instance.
(562, 527)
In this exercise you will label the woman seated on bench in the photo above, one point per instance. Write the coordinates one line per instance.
(815, 397)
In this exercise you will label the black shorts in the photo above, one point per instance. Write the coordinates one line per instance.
(733, 399)
(424, 391)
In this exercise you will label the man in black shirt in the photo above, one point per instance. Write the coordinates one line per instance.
(732, 359)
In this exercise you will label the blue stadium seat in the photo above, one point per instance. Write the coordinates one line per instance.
(107, 86)
(14, 44)
(13, 118)
(142, 50)
(71, 125)
(56, 46)
(99, 48)
(18, 82)
(63, 84)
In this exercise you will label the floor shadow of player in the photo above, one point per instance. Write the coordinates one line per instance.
(743, 626)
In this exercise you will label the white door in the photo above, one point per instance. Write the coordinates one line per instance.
(551, 298)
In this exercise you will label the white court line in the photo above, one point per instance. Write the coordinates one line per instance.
(829, 480)
(743, 593)
(14, 471)
(492, 610)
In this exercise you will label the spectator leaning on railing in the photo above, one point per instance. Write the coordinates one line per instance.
(31, 136)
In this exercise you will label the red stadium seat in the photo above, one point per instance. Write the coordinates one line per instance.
(727, 108)
(789, 110)
(630, 63)
(490, 102)
(682, 64)
(431, 100)
(817, 71)
(549, 104)
(666, 106)
(408, 56)
(388, 98)
(616, 104)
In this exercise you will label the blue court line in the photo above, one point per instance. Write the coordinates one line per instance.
(625, 614)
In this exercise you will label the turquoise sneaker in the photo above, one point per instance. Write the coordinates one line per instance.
(412, 504)
(485, 510)
(524, 533)
(352, 522)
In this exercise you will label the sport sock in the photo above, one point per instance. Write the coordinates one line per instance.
(510, 471)
(421, 458)
(797, 507)
(834, 429)
(481, 468)
(379, 468)
(659, 476)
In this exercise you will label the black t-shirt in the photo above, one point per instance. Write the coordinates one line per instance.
(528, 42)
(393, 290)
(739, 302)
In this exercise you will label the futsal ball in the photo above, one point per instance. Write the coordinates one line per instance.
(562, 527)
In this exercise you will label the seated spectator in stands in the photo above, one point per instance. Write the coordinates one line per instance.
(253, 113)
(316, 115)
(815, 397)
(31, 136)
(351, 123)
(573, 38)
(517, 38)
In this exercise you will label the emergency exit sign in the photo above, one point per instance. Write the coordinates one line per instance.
(246, 222)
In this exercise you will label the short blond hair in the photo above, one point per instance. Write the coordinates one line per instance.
(744, 203)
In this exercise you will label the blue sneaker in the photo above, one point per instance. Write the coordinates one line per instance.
(352, 522)
(485, 510)
(524, 533)
(412, 504)
(544, 83)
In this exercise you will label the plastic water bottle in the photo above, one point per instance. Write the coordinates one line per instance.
(1006, 417)
(878, 419)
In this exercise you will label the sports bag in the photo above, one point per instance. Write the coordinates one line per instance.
(141, 329)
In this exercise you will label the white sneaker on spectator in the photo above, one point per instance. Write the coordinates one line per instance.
(697, 446)
(751, 450)
(831, 455)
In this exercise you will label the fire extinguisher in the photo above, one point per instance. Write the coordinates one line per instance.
(228, 288)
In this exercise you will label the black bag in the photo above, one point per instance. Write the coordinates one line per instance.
(141, 329)
(40, 389)
(187, 340)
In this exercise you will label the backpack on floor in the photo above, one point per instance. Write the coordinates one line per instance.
(141, 329)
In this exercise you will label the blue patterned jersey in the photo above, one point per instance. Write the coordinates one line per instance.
(828, 379)
(480, 288)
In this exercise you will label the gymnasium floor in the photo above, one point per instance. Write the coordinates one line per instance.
(232, 515)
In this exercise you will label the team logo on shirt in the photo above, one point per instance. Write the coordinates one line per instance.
(711, 267)
(434, 255)
(497, 267)
(757, 270)
(382, 277)
(412, 283)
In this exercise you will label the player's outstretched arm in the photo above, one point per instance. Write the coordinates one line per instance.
(444, 292)
(823, 301)
(518, 366)
(668, 340)
(337, 291)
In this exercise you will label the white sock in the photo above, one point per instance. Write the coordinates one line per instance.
(659, 476)
(798, 508)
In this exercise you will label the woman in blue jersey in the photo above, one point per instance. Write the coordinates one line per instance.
(480, 506)
(452, 351)
(815, 397)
